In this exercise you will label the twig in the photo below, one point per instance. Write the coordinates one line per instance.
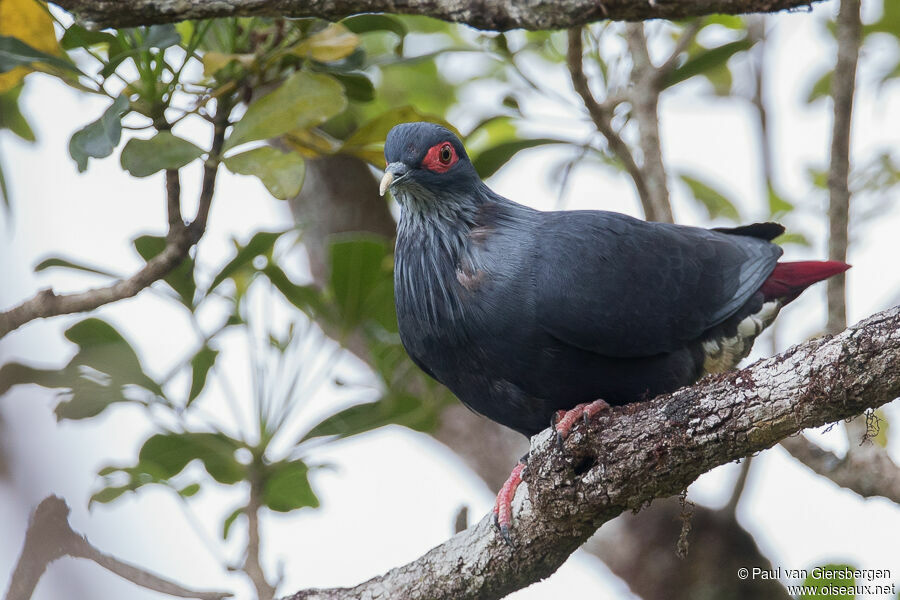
(654, 449)
(602, 118)
(739, 485)
(179, 240)
(173, 202)
(645, 99)
(842, 88)
(210, 169)
(687, 36)
(50, 537)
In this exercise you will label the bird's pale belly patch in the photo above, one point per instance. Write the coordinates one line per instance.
(724, 353)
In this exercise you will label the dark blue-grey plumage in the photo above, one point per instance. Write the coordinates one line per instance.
(522, 313)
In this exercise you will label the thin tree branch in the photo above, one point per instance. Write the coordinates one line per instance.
(210, 169)
(684, 40)
(179, 240)
(496, 15)
(866, 470)
(50, 537)
(654, 449)
(602, 118)
(252, 566)
(739, 485)
(173, 203)
(646, 80)
(848, 35)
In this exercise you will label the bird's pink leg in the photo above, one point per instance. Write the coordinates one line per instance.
(503, 506)
(564, 420)
(562, 424)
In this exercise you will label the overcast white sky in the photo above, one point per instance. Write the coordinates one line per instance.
(395, 493)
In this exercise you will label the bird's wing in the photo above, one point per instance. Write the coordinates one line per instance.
(622, 287)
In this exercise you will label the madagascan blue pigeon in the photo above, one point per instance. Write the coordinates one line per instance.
(525, 314)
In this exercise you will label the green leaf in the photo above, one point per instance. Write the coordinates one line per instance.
(395, 409)
(286, 487)
(365, 23)
(821, 88)
(16, 53)
(99, 139)
(160, 36)
(260, 244)
(56, 261)
(714, 201)
(888, 23)
(135, 41)
(77, 36)
(142, 158)
(94, 379)
(103, 348)
(361, 281)
(357, 85)
(88, 399)
(488, 161)
(108, 494)
(181, 278)
(281, 172)
(828, 577)
(303, 101)
(367, 142)
(189, 490)
(307, 298)
(164, 455)
(18, 374)
(201, 363)
(335, 42)
(793, 237)
(11, 117)
(778, 206)
(229, 521)
(706, 61)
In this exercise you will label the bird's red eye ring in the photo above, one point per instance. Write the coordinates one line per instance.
(440, 157)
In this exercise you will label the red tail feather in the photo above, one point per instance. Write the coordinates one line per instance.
(790, 278)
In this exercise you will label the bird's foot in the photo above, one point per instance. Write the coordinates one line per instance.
(564, 420)
(503, 506)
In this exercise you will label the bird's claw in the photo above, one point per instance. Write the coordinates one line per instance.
(563, 421)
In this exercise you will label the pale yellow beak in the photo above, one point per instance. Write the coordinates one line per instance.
(386, 182)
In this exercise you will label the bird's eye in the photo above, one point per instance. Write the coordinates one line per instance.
(440, 158)
(446, 154)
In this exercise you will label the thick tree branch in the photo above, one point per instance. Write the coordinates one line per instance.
(848, 34)
(654, 449)
(179, 240)
(50, 537)
(496, 15)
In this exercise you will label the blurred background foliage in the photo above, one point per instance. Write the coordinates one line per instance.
(296, 91)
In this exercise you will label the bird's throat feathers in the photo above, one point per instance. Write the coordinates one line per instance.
(433, 243)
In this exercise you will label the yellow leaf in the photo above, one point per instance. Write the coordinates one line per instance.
(213, 61)
(311, 143)
(332, 43)
(29, 21)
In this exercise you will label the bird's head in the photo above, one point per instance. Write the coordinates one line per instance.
(426, 163)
